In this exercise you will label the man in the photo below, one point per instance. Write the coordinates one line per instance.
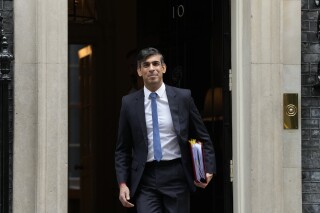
(152, 158)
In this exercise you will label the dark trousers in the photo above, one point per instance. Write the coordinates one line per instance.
(163, 189)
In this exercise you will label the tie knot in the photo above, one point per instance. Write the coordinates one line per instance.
(153, 95)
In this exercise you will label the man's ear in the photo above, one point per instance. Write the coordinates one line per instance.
(164, 67)
(139, 72)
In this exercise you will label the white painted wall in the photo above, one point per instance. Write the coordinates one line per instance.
(40, 106)
(266, 63)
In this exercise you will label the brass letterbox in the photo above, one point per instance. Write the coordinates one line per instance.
(290, 111)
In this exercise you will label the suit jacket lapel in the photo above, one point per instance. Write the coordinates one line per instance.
(141, 114)
(174, 108)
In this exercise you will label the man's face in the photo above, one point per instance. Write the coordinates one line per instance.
(152, 70)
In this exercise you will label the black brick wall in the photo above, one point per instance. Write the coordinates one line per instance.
(6, 9)
(310, 109)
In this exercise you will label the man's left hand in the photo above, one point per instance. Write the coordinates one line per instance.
(204, 185)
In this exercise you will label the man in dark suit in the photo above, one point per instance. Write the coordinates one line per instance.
(152, 157)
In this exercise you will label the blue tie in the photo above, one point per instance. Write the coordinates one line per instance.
(156, 136)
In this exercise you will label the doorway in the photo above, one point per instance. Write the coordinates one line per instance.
(195, 40)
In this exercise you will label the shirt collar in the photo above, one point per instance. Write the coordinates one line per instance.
(160, 91)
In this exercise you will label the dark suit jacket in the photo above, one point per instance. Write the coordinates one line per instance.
(132, 145)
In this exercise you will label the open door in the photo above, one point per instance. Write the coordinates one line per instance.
(81, 171)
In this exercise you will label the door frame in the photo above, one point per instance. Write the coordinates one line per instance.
(241, 139)
(240, 63)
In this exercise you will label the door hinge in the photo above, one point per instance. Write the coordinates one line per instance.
(231, 170)
(230, 80)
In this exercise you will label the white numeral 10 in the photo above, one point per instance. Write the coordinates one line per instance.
(179, 11)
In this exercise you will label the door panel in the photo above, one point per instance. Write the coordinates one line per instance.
(195, 40)
(81, 185)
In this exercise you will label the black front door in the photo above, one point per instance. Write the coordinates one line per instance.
(194, 37)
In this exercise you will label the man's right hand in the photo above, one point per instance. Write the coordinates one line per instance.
(124, 195)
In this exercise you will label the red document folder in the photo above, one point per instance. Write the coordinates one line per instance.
(198, 164)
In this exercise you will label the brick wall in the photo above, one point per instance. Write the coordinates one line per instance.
(310, 109)
(6, 9)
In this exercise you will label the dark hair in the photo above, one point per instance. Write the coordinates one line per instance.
(146, 53)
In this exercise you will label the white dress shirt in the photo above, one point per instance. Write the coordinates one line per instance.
(168, 138)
